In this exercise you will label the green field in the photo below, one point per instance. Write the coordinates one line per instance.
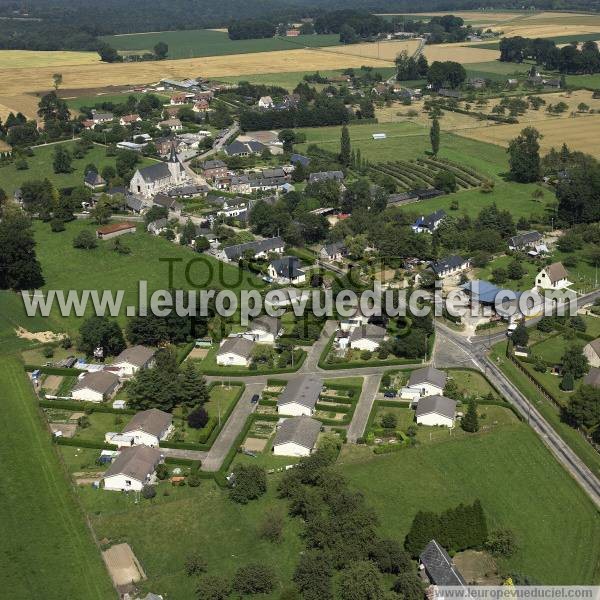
(40, 167)
(520, 485)
(77, 103)
(502, 262)
(104, 269)
(46, 549)
(191, 43)
(496, 70)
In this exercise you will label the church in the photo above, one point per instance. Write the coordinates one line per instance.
(159, 177)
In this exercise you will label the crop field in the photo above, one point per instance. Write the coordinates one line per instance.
(192, 43)
(386, 50)
(532, 505)
(458, 53)
(46, 551)
(32, 59)
(77, 103)
(104, 269)
(579, 133)
(40, 167)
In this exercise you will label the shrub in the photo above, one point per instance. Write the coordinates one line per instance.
(162, 471)
(198, 418)
(254, 578)
(501, 543)
(194, 480)
(48, 351)
(195, 565)
(57, 225)
(567, 383)
(212, 587)
(271, 528)
(366, 355)
(85, 240)
(250, 482)
(389, 421)
(148, 492)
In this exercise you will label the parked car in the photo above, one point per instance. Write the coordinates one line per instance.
(255, 399)
(390, 394)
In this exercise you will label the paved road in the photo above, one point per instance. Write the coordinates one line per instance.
(363, 408)
(477, 353)
(226, 438)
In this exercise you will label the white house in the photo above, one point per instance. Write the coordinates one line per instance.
(429, 223)
(300, 397)
(264, 330)
(146, 428)
(427, 381)
(265, 102)
(258, 249)
(436, 410)
(134, 358)
(95, 387)
(524, 240)
(449, 266)
(235, 351)
(553, 277)
(356, 320)
(132, 469)
(296, 436)
(285, 270)
(367, 337)
(592, 351)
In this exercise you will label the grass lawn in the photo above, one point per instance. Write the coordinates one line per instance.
(102, 268)
(584, 275)
(198, 520)
(548, 410)
(519, 483)
(519, 285)
(190, 43)
(496, 70)
(470, 382)
(46, 549)
(40, 167)
(553, 348)
(77, 103)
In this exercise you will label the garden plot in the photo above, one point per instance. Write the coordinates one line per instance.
(123, 567)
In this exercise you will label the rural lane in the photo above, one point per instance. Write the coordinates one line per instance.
(363, 408)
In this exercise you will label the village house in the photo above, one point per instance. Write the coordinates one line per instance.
(214, 169)
(159, 177)
(158, 226)
(129, 119)
(201, 105)
(299, 159)
(430, 222)
(326, 176)
(132, 469)
(367, 337)
(235, 351)
(525, 240)
(257, 248)
(98, 117)
(593, 376)
(134, 358)
(436, 411)
(333, 252)
(112, 230)
(592, 351)
(286, 270)
(300, 397)
(292, 32)
(168, 202)
(172, 124)
(179, 99)
(264, 330)
(427, 381)
(94, 181)
(438, 566)
(240, 184)
(449, 266)
(265, 102)
(296, 436)
(96, 386)
(237, 148)
(146, 428)
(553, 277)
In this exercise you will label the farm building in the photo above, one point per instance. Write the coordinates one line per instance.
(95, 387)
(235, 351)
(436, 411)
(132, 469)
(296, 436)
(113, 230)
(300, 397)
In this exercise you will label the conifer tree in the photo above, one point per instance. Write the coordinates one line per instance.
(470, 422)
(434, 136)
(345, 147)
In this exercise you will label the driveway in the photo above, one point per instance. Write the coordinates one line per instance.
(363, 407)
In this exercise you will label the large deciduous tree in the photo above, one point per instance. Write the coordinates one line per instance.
(524, 156)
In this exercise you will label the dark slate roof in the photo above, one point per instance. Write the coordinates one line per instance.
(303, 431)
(403, 197)
(483, 291)
(213, 164)
(98, 381)
(93, 178)
(287, 266)
(267, 323)
(251, 147)
(436, 404)
(335, 248)
(326, 176)
(237, 345)
(300, 159)
(368, 332)
(155, 172)
(166, 202)
(237, 251)
(524, 239)
(135, 204)
(136, 355)
(424, 194)
(439, 566)
(428, 375)
(448, 263)
(429, 221)
(302, 390)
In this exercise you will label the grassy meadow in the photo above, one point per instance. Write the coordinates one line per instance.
(46, 549)
(192, 43)
(520, 485)
(40, 167)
